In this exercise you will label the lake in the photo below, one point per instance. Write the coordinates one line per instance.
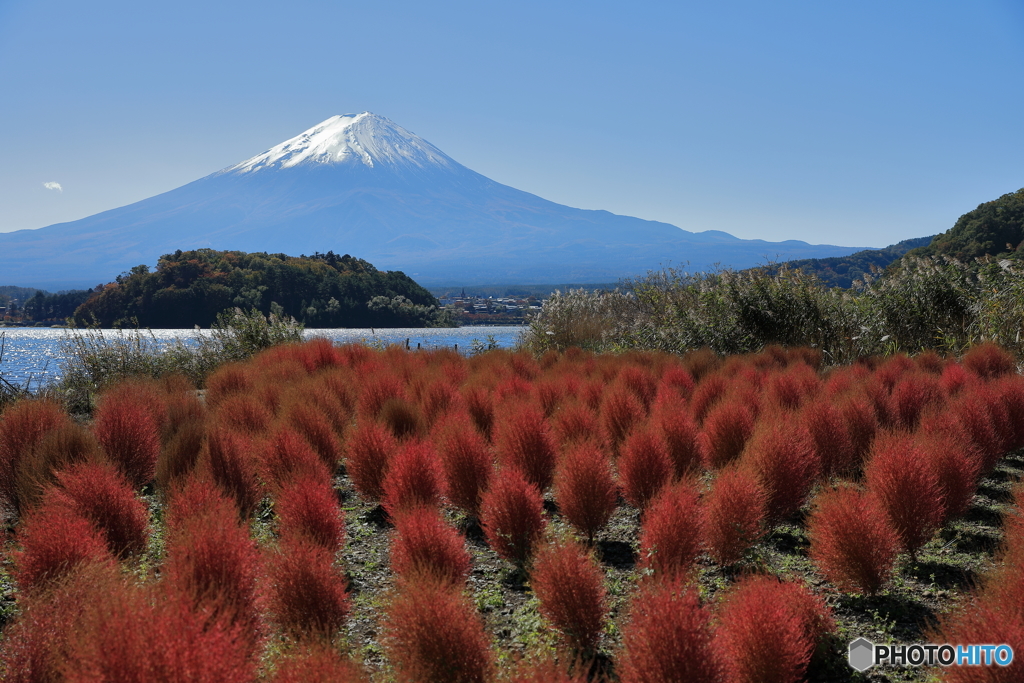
(32, 354)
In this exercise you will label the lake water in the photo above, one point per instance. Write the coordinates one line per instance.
(32, 354)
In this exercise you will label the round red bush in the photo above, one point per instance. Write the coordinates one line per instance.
(512, 516)
(585, 488)
(852, 542)
(569, 583)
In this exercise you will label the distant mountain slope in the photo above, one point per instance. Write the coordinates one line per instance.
(14, 292)
(360, 184)
(995, 228)
(841, 271)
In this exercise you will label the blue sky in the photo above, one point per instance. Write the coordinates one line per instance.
(847, 123)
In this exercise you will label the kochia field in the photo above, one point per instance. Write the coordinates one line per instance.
(352, 514)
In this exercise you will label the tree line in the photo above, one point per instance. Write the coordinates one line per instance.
(190, 288)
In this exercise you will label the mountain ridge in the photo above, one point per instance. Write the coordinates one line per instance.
(439, 222)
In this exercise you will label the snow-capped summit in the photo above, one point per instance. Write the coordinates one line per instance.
(366, 139)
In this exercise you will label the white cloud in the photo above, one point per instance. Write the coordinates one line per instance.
(53, 186)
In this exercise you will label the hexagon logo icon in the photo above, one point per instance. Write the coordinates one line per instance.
(862, 654)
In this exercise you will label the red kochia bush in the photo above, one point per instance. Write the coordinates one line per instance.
(370, 448)
(575, 422)
(701, 362)
(782, 455)
(725, 432)
(129, 436)
(971, 411)
(585, 488)
(677, 380)
(233, 464)
(670, 535)
(667, 637)
(244, 413)
(899, 475)
(318, 663)
(548, 393)
(680, 433)
(310, 422)
(54, 541)
(332, 396)
(930, 361)
(512, 390)
(438, 399)
(466, 462)
(316, 354)
(995, 614)
(949, 456)
(880, 398)
(852, 542)
(861, 424)
(423, 543)
(915, 392)
(569, 583)
(522, 441)
(117, 634)
(999, 415)
(989, 361)
(592, 393)
(414, 478)
(376, 390)
(143, 392)
(639, 381)
(954, 378)
(101, 494)
(402, 417)
(891, 369)
(308, 596)
(22, 426)
(480, 408)
(644, 467)
(1010, 391)
(433, 634)
(210, 556)
(286, 456)
(181, 453)
(790, 388)
(308, 508)
(59, 448)
(732, 515)
(828, 431)
(706, 395)
(35, 645)
(767, 630)
(1013, 530)
(195, 496)
(983, 623)
(183, 407)
(512, 516)
(620, 411)
(227, 380)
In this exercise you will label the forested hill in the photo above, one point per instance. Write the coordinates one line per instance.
(995, 228)
(841, 271)
(190, 288)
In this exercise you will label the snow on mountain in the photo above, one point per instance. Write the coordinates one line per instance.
(366, 139)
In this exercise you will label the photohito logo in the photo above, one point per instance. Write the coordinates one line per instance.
(864, 654)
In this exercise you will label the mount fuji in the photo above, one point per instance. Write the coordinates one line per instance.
(360, 184)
